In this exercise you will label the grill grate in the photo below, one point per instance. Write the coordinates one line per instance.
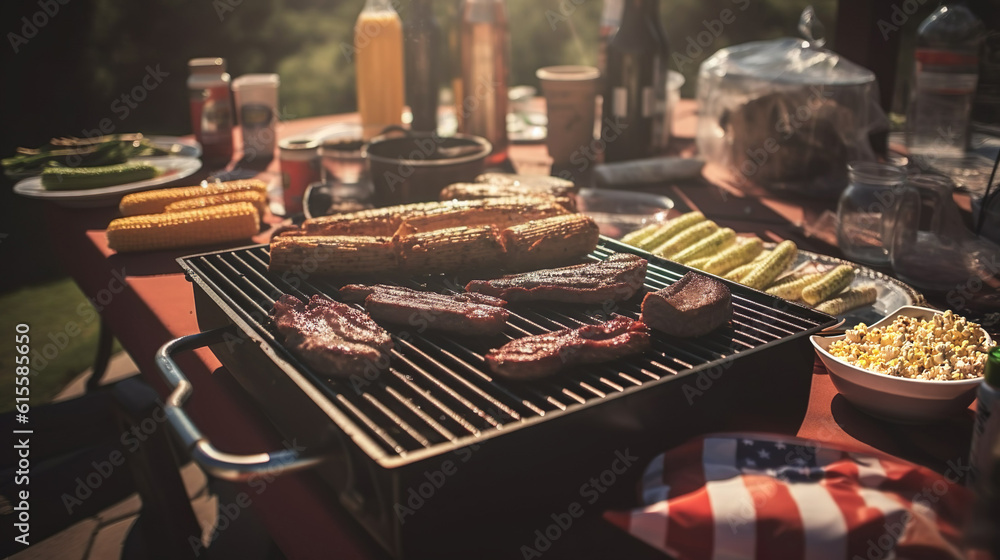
(438, 389)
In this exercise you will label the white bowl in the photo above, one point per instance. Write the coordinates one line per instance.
(911, 401)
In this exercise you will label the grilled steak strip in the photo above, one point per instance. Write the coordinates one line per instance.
(544, 354)
(473, 314)
(692, 306)
(331, 337)
(615, 279)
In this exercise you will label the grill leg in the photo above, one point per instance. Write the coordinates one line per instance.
(104, 343)
(167, 522)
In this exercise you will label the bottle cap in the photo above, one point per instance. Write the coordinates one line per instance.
(207, 65)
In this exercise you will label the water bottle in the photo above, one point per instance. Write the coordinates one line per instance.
(946, 70)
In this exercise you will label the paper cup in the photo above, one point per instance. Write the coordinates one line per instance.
(570, 95)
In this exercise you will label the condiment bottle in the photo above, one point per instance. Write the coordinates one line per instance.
(485, 66)
(378, 51)
(629, 88)
(986, 431)
(211, 108)
(423, 64)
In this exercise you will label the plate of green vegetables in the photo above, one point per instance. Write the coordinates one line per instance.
(840, 288)
(104, 185)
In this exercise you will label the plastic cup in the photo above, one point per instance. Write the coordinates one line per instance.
(257, 107)
(570, 97)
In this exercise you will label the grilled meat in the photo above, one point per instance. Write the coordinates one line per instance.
(331, 337)
(692, 306)
(472, 314)
(544, 354)
(615, 279)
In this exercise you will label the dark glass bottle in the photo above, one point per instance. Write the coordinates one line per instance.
(661, 135)
(629, 96)
(422, 43)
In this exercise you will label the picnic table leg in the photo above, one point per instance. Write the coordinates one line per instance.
(166, 522)
(105, 341)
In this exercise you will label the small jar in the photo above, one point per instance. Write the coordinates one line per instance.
(865, 210)
(211, 108)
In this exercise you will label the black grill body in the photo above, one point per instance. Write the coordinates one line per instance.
(491, 461)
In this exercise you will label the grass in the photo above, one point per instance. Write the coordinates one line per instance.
(63, 336)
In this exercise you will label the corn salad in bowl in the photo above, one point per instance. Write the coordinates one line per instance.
(917, 365)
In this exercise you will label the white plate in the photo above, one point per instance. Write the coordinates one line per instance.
(892, 294)
(173, 168)
(177, 146)
(618, 212)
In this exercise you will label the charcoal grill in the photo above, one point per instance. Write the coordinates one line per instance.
(510, 453)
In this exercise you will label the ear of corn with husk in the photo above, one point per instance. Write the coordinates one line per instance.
(156, 201)
(227, 222)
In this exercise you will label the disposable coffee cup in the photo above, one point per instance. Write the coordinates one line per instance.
(570, 99)
(257, 108)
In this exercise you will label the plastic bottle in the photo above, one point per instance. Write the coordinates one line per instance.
(378, 49)
(211, 108)
(423, 63)
(945, 74)
(629, 88)
(485, 67)
(986, 430)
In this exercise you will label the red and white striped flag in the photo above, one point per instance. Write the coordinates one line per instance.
(753, 496)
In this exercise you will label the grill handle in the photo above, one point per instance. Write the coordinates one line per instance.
(227, 466)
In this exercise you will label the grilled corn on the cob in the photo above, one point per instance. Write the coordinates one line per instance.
(792, 289)
(449, 250)
(850, 299)
(549, 242)
(357, 255)
(737, 274)
(228, 222)
(156, 201)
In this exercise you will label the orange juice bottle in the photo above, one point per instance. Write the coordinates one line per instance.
(378, 51)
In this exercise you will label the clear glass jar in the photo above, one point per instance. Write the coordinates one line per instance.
(865, 210)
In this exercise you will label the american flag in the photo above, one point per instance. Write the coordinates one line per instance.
(754, 496)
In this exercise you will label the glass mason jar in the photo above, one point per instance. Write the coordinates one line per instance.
(865, 210)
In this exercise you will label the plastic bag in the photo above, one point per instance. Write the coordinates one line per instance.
(787, 114)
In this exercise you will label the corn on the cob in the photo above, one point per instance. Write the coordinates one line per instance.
(699, 263)
(831, 283)
(474, 191)
(228, 222)
(636, 237)
(449, 250)
(500, 213)
(739, 272)
(259, 200)
(686, 238)
(792, 289)
(769, 269)
(156, 201)
(740, 253)
(671, 229)
(851, 299)
(719, 240)
(549, 242)
(343, 255)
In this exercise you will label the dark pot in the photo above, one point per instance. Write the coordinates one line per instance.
(415, 167)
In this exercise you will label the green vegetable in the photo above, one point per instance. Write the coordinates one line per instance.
(851, 299)
(670, 229)
(834, 281)
(75, 178)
